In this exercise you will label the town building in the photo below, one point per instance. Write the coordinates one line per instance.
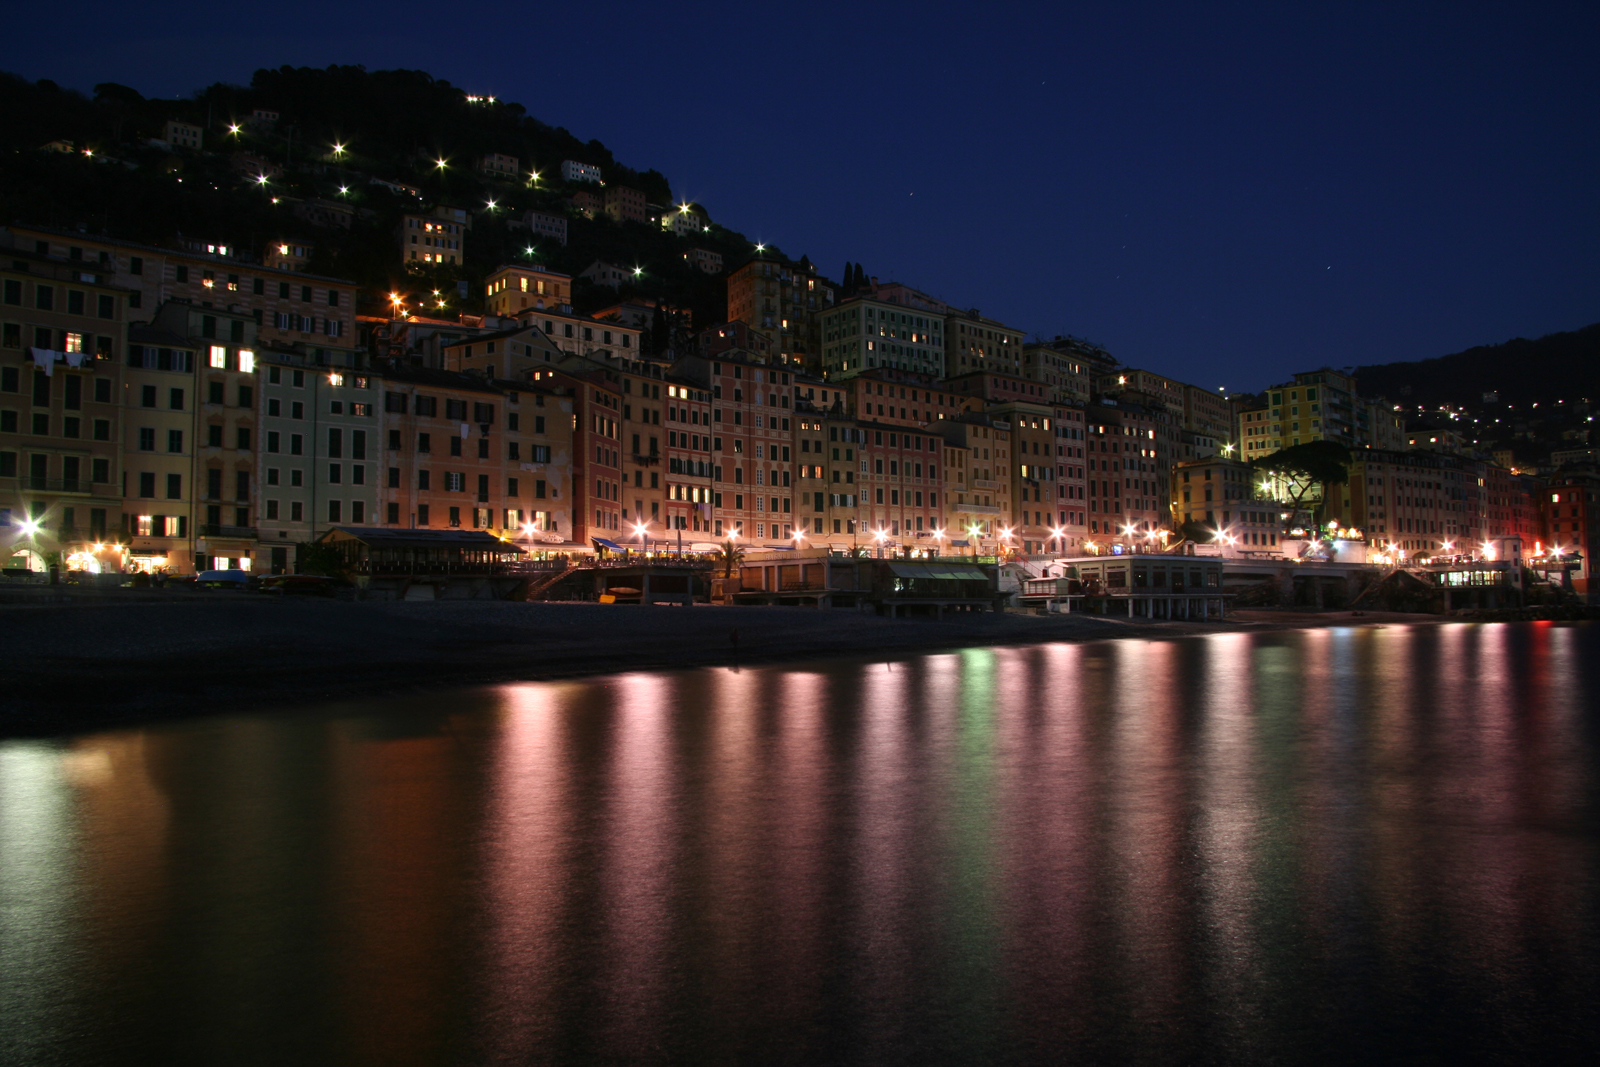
(608, 274)
(1060, 370)
(586, 203)
(466, 452)
(1415, 502)
(514, 289)
(431, 240)
(1220, 495)
(785, 301)
(288, 255)
(903, 398)
(225, 345)
(1319, 405)
(704, 260)
(626, 204)
(993, 387)
(319, 464)
(182, 135)
(288, 307)
(546, 224)
(324, 213)
(974, 343)
(1072, 516)
(690, 458)
(498, 165)
(863, 333)
(977, 454)
(573, 171)
(1568, 504)
(1032, 472)
(62, 348)
(1129, 476)
(687, 220)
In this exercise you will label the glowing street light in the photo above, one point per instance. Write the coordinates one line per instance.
(29, 527)
(233, 129)
(533, 177)
(440, 164)
(638, 272)
(261, 179)
(344, 190)
(338, 149)
(761, 248)
(492, 204)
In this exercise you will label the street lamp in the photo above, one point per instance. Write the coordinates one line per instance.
(1058, 534)
(640, 528)
(880, 536)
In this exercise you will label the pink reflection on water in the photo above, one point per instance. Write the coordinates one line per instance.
(1148, 829)
(528, 846)
(638, 864)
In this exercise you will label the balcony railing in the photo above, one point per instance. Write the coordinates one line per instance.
(984, 483)
(245, 533)
(976, 509)
(78, 486)
(647, 459)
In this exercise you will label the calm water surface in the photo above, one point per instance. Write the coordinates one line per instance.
(1333, 845)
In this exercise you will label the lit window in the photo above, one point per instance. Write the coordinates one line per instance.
(247, 361)
(74, 342)
(219, 356)
(145, 523)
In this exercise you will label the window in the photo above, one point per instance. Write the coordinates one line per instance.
(174, 487)
(247, 361)
(174, 440)
(219, 357)
(147, 485)
(147, 439)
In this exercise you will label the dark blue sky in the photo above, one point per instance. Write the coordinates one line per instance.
(1224, 193)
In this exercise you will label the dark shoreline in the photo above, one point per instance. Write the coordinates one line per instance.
(102, 663)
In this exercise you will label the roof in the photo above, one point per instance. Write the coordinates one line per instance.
(938, 571)
(122, 243)
(382, 537)
(151, 335)
(439, 379)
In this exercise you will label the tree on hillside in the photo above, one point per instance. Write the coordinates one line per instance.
(1305, 471)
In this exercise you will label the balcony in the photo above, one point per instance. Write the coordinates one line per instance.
(646, 460)
(74, 486)
(975, 509)
(241, 533)
(984, 483)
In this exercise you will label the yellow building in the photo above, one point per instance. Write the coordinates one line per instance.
(62, 329)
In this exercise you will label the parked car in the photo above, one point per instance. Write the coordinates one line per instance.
(300, 585)
(224, 580)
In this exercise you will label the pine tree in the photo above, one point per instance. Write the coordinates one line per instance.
(849, 279)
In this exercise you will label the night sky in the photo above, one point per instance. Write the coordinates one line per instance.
(1224, 193)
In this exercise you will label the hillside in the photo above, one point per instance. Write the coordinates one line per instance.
(1558, 366)
(337, 130)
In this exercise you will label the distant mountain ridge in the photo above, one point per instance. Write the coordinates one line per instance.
(1557, 366)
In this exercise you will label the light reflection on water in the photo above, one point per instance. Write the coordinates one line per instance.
(1324, 845)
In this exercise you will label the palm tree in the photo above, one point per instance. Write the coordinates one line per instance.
(731, 555)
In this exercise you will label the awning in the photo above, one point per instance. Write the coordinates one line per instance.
(612, 545)
(960, 544)
(967, 574)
